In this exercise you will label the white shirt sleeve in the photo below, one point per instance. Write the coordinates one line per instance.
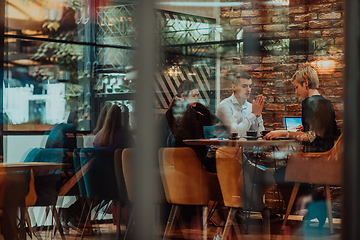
(226, 116)
(259, 125)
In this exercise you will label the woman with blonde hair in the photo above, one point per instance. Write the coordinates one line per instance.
(317, 133)
(319, 129)
(115, 132)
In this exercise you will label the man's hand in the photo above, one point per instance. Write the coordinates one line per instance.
(257, 105)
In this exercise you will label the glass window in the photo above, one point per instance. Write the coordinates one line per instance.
(58, 57)
(229, 65)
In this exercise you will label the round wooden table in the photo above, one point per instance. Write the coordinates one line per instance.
(241, 143)
(27, 166)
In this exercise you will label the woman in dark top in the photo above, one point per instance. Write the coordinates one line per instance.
(318, 134)
(190, 126)
(319, 130)
(186, 119)
(318, 115)
(188, 94)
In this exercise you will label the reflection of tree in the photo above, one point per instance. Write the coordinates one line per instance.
(66, 55)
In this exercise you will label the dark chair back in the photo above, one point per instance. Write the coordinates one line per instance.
(99, 173)
(77, 167)
(47, 182)
(124, 199)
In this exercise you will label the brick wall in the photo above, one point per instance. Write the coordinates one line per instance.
(312, 29)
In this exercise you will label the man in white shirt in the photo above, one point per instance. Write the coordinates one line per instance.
(235, 112)
(238, 116)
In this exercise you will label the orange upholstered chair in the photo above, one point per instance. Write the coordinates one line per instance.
(228, 169)
(186, 182)
(316, 168)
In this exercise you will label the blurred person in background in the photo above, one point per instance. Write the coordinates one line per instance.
(116, 130)
(101, 120)
(187, 117)
(115, 134)
(99, 124)
(62, 135)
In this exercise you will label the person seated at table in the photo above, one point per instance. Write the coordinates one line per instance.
(62, 135)
(187, 93)
(101, 120)
(237, 115)
(115, 133)
(186, 118)
(99, 125)
(318, 134)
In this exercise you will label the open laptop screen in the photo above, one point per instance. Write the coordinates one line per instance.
(291, 123)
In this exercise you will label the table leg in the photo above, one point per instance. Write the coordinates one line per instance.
(252, 190)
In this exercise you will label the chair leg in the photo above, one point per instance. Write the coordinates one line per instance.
(328, 207)
(34, 229)
(22, 230)
(118, 218)
(97, 212)
(87, 219)
(173, 215)
(291, 202)
(57, 222)
(198, 222)
(47, 210)
(236, 227)
(28, 221)
(229, 222)
(86, 207)
(204, 220)
(130, 223)
(183, 227)
(266, 226)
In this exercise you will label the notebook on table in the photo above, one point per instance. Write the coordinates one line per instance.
(292, 122)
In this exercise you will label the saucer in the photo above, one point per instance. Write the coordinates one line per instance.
(251, 138)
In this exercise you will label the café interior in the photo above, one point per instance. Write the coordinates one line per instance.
(77, 73)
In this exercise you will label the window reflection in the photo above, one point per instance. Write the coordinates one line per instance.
(65, 55)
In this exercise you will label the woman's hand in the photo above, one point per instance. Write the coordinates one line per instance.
(300, 129)
(276, 134)
(176, 100)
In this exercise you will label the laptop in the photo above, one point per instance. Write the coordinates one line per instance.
(292, 122)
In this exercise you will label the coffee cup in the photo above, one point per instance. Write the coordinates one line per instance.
(251, 134)
(233, 136)
(263, 133)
